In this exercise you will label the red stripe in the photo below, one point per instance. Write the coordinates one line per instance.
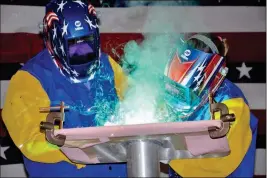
(250, 47)
(50, 17)
(208, 71)
(91, 8)
(3, 131)
(49, 14)
(19, 47)
(215, 59)
(177, 71)
(261, 115)
(51, 20)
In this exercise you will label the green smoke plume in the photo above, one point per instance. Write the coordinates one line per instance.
(143, 102)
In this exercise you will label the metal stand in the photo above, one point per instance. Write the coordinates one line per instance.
(143, 159)
(143, 153)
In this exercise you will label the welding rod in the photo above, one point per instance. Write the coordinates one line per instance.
(53, 108)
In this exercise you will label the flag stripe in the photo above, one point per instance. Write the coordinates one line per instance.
(261, 141)
(14, 170)
(20, 47)
(255, 74)
(255, 94)
(200, 19)
(261, 115)
(9, 69)
(260, 164)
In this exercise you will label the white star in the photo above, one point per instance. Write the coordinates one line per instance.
(61, 6)
(64, 28)
(62, 49)
(197, 77)
(75, 80)
(3, 149)
(22, 64)
(68, 67)
(90, 22)
(54, 32)
(244, 70)
(55, 49)
(75, 73)
(196, 88)
(202, 66)
(80, 3)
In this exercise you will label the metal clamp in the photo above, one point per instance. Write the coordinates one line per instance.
(49, 125)
(225, 117)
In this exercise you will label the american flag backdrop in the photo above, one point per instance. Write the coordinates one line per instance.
(242, 22)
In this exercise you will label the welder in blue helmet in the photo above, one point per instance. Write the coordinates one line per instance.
(71, 69)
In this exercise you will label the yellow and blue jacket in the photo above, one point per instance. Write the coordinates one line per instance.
(40, 84)
(241, 138)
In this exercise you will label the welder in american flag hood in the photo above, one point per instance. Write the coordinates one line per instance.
(73, 69)
(199, 63)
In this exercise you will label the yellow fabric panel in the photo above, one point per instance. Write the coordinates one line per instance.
(239, 138)
(119, 77)
(22, 118)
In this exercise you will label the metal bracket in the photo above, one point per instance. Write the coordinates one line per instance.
(48, 126)
(225, 117)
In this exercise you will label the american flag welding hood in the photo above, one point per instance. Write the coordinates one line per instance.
(200, 71)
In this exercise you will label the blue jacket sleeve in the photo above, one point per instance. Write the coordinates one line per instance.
(246, 168)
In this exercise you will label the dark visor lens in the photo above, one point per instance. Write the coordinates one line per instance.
(81, 50)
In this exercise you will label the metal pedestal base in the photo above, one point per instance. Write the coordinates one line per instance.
(143, 159)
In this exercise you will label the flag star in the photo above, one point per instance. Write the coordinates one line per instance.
(244, 71)
(90, 22)
(64, 28)
(54, 32)
(74, 80)
(200, 68)
(61, 6)
(62, 49)
(196, 88)
(80, 3)
(68, 67)
(197, 77)
(55, 49)
(3, 150)
(75, 73)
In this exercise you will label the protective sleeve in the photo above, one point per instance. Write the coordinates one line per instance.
(22, 118)
(239, 138)
(121, 81)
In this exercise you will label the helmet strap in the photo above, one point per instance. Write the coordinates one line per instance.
(206, 41)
